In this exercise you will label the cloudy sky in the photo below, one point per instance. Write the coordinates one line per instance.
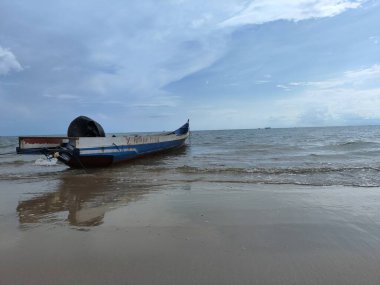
(150, 65)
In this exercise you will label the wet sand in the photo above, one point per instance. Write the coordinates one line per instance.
(60, 232)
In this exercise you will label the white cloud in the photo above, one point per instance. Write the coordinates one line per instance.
(364, 73)
(262, 11)
(63, 96)
(8, 62)
(326, 107)
(201, 22)
(284, 87)
(355, 94)
(151, 54)
(374, 40)
(348, 78)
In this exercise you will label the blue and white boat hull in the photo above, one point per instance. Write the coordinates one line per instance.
(104, 151)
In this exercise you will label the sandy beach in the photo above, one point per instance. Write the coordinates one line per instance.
(187, 233)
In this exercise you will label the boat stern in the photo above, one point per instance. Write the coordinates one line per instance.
(45, 145)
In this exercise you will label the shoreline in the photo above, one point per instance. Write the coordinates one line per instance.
(191, 233)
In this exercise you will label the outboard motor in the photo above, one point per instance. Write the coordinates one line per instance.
(83, 126)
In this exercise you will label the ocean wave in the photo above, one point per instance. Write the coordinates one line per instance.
(14, 162)
(353, 145)
(8, 142)
(261, 170)
(30, 176)
(317, 176)
(286, 182)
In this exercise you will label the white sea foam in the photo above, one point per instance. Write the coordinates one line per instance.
(43, 161)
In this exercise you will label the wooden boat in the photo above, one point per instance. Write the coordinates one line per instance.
(87, 146)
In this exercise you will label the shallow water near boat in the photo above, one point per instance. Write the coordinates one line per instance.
(347, 156)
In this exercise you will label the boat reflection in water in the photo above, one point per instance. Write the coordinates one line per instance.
(81, 200)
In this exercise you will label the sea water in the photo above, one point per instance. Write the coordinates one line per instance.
(347, 156)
